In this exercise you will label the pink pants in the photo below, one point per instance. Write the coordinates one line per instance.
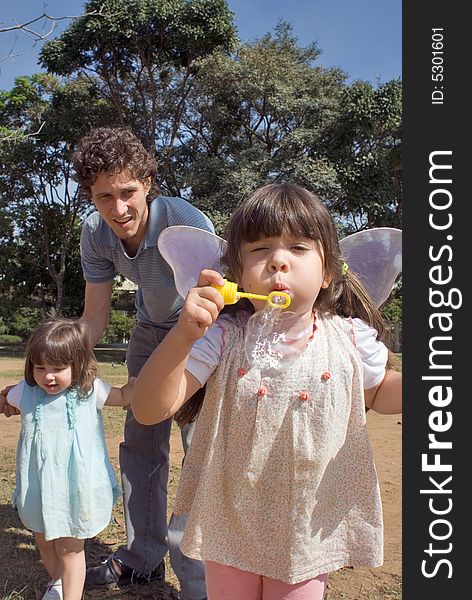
(228, 583)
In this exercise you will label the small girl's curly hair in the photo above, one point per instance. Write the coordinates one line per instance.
(62, 342)
(112, 150)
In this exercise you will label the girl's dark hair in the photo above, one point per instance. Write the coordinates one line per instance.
(280, 208)
(112, 150)
(62, 342)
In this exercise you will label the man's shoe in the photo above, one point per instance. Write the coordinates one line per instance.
(113, 571)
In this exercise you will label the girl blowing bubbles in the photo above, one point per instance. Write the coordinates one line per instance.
(65, 484)
(279, 482)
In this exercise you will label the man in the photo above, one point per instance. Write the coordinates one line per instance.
(116, 173)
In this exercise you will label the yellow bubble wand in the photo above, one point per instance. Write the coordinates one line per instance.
(231, 295)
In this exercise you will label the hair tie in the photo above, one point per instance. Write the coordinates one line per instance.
(344, 268)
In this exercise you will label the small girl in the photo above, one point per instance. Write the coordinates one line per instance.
(279, 483)
(65, 484)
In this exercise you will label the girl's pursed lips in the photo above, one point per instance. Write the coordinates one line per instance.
(280, 287)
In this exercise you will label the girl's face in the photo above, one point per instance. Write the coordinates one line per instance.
(287, 264)
(53, 379)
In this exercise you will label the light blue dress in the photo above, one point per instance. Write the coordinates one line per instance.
(65, 483)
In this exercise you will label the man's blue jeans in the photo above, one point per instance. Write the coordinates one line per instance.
(144, 464)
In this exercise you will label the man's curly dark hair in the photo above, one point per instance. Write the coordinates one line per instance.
(112, 150)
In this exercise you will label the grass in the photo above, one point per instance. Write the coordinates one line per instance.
(22, 575)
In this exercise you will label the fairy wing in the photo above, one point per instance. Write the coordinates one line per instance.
(375, 255)
(188, 250)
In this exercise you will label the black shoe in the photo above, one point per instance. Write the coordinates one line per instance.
(112, 571)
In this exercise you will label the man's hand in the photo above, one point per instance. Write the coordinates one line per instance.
(7, 409)
(127, 391)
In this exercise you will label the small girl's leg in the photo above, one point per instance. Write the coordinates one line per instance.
(72, 556)
(228, 583)
(49, 556)
(311, 589)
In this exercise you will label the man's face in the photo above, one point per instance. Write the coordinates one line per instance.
(121, 201)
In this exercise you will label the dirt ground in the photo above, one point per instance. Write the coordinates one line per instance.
(359, 583)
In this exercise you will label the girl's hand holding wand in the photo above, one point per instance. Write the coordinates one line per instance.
(201, 308)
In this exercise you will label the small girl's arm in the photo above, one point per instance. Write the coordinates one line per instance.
(121, 396)
(386, 397)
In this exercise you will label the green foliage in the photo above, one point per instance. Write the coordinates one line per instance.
(364, 144)
(23, 321)
(393, 310)
(222, 125)
(270, 113)
(141, 56)
(222, 119)
(119, 327)
(10, 339)
(257, 117)
(38, 199)
(127, 36)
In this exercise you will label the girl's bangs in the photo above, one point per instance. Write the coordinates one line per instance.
(271, 219)
(56, 354)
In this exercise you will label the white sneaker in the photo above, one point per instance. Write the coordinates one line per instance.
(53, 591)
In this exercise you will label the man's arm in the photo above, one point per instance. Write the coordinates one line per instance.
(97, 309)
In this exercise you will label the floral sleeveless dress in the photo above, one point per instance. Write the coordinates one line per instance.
(280, 479)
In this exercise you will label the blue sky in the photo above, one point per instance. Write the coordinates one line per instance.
(362, 37)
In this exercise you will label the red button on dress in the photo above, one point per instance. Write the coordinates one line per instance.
(303, 396)
(241, 372)
(326, 375)
(261, 391)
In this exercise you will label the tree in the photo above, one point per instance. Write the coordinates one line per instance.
(221, 125)
(125, 63)
(36, 189)
(392, 311)
(258, 117)
(364, 144)
(271, 113)
(119, 327)
(141, 56)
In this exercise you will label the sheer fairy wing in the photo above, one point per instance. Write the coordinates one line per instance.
(375, 255)
(188, 250)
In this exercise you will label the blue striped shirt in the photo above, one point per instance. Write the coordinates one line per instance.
(103, 257)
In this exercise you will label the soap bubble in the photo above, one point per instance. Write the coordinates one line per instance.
(275, 338)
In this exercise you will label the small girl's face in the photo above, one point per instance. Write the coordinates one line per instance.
(288, 264)
(53, 379)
